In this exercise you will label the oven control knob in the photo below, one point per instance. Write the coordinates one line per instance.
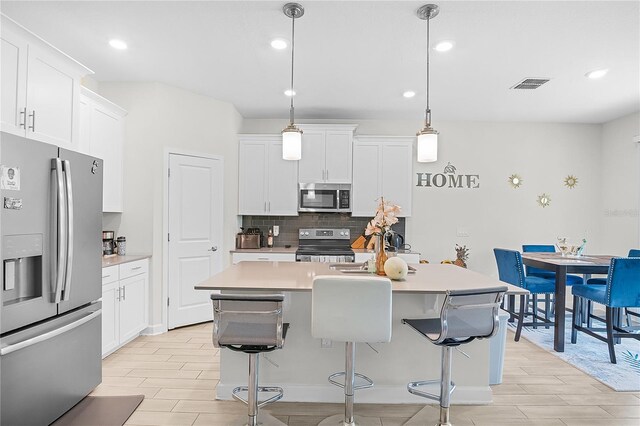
(342, 234)
(301, 233)
(306, 234)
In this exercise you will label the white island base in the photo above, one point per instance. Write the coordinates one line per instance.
(301, 368)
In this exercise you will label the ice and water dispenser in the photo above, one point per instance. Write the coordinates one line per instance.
(22, 258)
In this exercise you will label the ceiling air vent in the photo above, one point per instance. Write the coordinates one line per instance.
(530, 83)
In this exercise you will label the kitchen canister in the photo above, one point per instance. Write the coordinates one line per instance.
(122, 246)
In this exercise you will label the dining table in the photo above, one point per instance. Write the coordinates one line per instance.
(562, 265)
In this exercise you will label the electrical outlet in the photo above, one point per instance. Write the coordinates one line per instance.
(276, 230)
(462, 232)
(326, 343)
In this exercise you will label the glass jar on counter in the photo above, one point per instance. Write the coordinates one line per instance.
(121, 243)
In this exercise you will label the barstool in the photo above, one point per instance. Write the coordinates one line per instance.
(465, 315)
(350, 310)
(251, 324)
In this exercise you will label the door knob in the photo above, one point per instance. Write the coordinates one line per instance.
(213, 248)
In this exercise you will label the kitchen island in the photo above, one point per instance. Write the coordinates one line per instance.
(302, 366)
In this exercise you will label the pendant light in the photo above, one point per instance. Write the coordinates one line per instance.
(291, 135)
(428, 136)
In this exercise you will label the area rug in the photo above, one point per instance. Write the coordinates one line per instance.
(100, 411)
(592, 356)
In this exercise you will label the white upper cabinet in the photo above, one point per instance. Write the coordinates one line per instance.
(102, 135)
(14, 83)
(268, 185)
(326, 153)
(40, 88)
(382, 167)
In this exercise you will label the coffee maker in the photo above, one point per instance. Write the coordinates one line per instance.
(108, 243)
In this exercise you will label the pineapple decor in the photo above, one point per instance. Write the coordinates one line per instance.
(462, 254)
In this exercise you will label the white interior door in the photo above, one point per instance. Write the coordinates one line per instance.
(195, 235)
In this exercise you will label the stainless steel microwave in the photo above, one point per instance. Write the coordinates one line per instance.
(324, 197)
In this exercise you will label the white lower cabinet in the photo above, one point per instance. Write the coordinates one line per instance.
(124, 303)
(263, 257)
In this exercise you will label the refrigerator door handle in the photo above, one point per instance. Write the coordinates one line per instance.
(60, 253)
(46, 336)
(67, 280)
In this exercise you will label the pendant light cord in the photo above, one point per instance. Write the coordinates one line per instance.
(293, 27)
(428, 110)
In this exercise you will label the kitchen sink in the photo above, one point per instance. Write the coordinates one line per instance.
(356, 268)
(349, 268)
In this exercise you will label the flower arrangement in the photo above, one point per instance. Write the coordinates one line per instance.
(379, 226)
(386, 215)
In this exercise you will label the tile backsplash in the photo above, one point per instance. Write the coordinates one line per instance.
(289, 225)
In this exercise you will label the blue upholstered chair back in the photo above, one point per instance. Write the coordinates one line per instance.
(539, 248)
(510, 266)
(623, 283)
(634, 253)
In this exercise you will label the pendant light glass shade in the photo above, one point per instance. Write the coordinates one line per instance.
(291, 143)
(291, 135)
(427, 146)
(428, 136)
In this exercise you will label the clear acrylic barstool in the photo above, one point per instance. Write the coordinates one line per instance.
(465, 315)
(251, 324)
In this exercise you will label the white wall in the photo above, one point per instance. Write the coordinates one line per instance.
(620, 184)
(160, 117)
(496, 215)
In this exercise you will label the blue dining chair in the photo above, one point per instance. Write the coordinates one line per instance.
(621, 291)
(603, 281)
(511, 271)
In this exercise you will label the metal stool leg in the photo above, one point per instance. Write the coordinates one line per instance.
(252, 397)
(350, 386)
(349, 382)
(445, 387)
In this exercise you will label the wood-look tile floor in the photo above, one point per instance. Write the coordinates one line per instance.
(178, 372)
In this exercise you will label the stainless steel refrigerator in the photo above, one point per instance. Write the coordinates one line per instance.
(50, 316)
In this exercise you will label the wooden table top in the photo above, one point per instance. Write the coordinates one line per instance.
(298, 276)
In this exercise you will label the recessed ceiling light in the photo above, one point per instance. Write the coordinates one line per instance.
(596, 73)
(409, 94)
(290, 92)
(279, 44)
(118, 44)
(444, 46)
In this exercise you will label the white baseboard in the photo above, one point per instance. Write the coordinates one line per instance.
(375, 395)
(154, 329)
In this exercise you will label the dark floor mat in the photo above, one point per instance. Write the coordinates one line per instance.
(100, 411)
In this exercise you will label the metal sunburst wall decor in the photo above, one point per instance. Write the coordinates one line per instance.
(544, 200)
(570, 181)
(515, 181)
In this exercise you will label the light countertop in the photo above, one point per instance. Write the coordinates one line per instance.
(117, 260)
(298, 276)
(291, 249)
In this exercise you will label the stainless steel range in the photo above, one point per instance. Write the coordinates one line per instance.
(324, 245)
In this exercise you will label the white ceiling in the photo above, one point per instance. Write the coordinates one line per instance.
(354, 59)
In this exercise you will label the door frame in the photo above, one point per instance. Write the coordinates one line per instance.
(165, 225)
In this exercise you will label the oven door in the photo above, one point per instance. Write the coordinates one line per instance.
(313, 199)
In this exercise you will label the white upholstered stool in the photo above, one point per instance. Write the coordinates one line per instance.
(350, 309)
